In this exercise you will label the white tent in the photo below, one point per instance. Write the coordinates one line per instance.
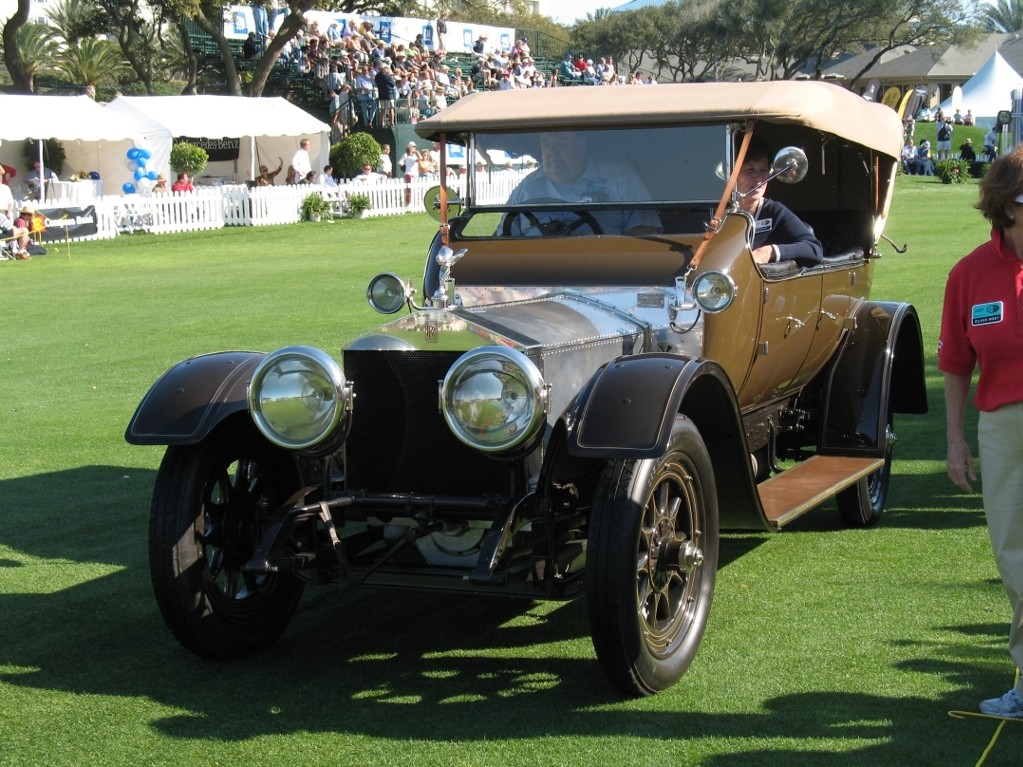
(987, 92)
(83, 127)
(252, 131)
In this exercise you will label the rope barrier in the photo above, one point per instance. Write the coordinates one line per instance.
(1002, 721)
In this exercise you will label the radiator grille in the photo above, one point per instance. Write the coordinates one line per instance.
(399, 442)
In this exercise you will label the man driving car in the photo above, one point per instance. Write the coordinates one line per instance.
(568, 174)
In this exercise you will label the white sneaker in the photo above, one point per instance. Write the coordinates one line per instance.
(1009, 705)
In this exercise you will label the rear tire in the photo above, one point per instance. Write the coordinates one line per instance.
(863, 504)
(651, 563)
(211, 505)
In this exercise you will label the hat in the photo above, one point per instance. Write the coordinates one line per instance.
(483, 37)
(161, 177)
(969, 141)
(411, 144)
(925, 142)
(27, 208)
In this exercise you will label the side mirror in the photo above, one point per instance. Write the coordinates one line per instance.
(431, 201)
(790, 165)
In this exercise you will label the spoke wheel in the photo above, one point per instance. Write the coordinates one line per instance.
(651, 563)
(862, 504)
(211, 505)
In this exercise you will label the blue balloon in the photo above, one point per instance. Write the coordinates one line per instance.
(152, 175)
(140, 161)
(128, 188)
(133, 153)
(94, 175)
(144, 154)
(140, 174)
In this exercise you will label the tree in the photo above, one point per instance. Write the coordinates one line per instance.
(1003, 16)
(12, 54)
(76, 20)
(93, 62)
(37, 50)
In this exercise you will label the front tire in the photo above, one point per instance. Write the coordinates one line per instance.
(651, 563)
(211, 505)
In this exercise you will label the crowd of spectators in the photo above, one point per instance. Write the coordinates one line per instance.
(369, 83)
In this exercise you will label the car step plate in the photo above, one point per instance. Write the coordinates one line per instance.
(794, 492)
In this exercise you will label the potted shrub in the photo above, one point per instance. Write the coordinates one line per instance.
(952, 171)
(189, 158)
(358, 204)
(313, 207)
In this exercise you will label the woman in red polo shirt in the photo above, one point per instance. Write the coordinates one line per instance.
(982, 326)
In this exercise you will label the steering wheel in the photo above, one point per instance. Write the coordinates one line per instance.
(555, 228)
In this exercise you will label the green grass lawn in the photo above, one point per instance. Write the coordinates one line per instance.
(825, 646)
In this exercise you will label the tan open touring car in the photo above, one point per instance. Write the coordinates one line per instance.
(586, 388)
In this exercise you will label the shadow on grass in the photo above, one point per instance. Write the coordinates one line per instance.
(398, 666)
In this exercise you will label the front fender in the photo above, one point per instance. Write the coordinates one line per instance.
(190, 399)
(627, 411)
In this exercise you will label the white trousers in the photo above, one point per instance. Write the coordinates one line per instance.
(1000, 435)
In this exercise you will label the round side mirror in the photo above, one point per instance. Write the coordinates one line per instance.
(790, 165)
(431, 201)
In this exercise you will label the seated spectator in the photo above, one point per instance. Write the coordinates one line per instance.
(957, 118)
(327, 177)
(17, 236)
(266, 176)
(924, 163)
(250, 48)
(968, 118)
(310, 178)
(35, 178)
(909, 157)
(160, 186)
(367, 176)
(567, 72)
(183, 184)
(35, 224)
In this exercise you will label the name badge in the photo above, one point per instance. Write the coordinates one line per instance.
(764, 225)
(986, 314)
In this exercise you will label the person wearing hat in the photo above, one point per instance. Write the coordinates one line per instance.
(16, 235)
(160, 185)
(265, 178)
(924, 163)
(566, 72)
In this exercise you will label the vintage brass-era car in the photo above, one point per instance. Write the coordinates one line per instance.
(582, 393)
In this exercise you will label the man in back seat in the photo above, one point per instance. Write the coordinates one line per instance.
(779, 234)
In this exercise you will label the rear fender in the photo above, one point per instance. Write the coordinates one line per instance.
(190, 399)
(879, 370)
(627, 411)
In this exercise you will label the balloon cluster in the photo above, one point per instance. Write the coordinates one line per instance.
(137, 159)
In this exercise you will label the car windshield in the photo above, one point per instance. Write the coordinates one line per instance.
(645, 165)
(622, 177)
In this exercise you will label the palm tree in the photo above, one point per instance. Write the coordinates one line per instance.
(1003, 16)
(76, 19)
(93, 62)
(38, 49)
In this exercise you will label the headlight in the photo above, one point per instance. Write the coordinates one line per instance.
(714, 291)
(494, 399)
(298, 397)
(387, 293)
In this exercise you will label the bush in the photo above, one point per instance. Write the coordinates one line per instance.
(189, 158)
(348, 156)
(359, 203)
(952, 171)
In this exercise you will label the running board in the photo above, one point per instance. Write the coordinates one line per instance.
(794, 492)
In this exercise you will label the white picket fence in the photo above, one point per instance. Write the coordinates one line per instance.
(238, 205)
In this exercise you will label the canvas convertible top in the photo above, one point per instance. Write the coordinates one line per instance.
(824, 106)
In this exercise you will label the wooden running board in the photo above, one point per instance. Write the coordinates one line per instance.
(794, 492)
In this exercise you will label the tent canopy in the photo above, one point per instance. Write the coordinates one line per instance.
(66, 118)
(988, 91)
(267, 129)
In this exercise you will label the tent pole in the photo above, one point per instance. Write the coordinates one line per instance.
(252, 157)
(42, 172)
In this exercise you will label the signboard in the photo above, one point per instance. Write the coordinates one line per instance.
(63, 223)
(217, 148)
